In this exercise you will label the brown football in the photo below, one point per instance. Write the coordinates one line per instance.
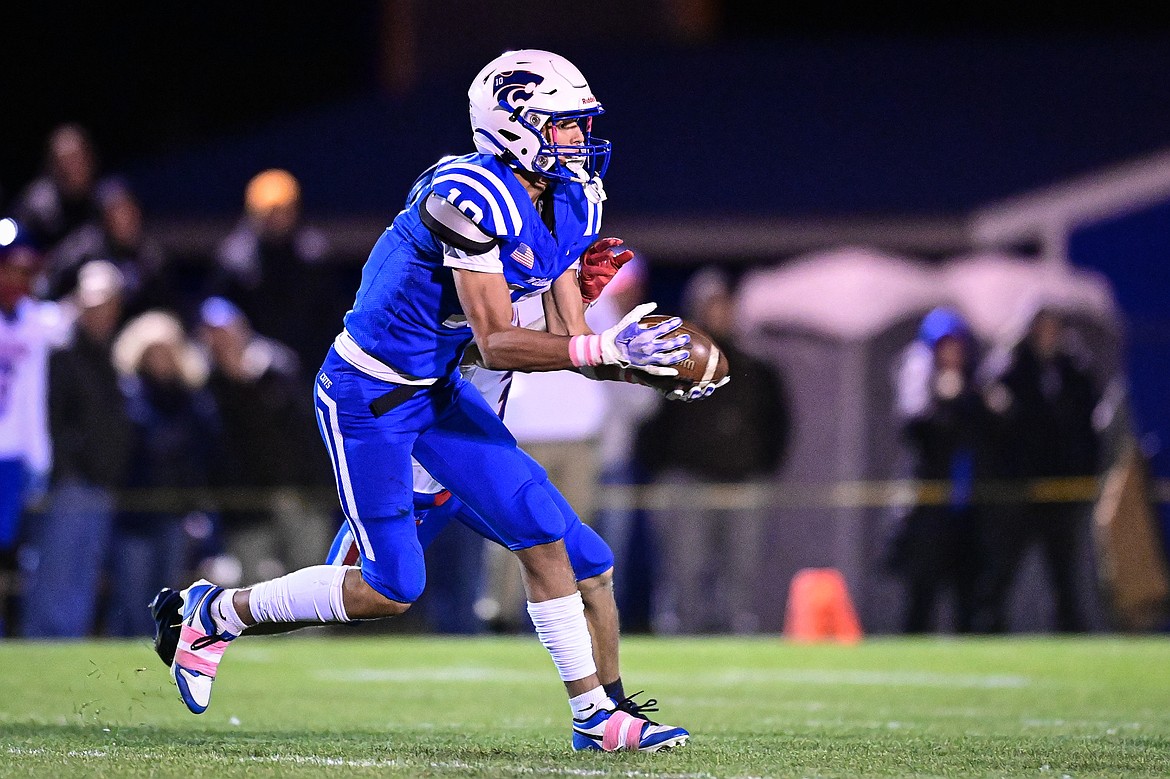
(706, 363)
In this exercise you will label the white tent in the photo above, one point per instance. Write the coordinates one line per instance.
(998, 293)
(849, 293)
(834, 323)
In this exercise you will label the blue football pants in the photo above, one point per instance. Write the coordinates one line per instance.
(372, 429)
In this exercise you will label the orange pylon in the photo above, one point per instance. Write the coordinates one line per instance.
(820, 609)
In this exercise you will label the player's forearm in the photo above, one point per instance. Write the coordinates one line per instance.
(564, 309)
(519, 349)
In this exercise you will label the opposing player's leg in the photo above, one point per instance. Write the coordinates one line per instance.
(525, 513)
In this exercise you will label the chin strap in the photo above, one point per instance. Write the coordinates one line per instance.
(594, 190)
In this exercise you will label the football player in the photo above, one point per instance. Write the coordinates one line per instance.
(435, 507)
(479, 233)
(590, 556)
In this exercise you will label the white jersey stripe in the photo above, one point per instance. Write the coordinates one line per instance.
(327, 436)
(500, 187)
(589, 217)
(345, 487)
(497, 214)
(597, 229)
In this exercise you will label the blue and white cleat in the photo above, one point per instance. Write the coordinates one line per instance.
(200, 647)
(613, 729)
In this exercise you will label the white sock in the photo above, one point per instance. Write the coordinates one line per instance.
(224, 615)
(586, 703)
(312, 594)
(560, 624)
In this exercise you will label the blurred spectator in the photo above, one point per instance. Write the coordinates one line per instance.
(269, 447)
(1044, 394)
(29, 329)
(176, 431)
(737, 436)
(944, 422)
(120, 237)
(92, 441)
(280, 272)
(62, 198)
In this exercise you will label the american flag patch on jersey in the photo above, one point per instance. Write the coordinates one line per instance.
(524, 256)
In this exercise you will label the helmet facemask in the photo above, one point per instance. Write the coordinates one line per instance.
(560, 159)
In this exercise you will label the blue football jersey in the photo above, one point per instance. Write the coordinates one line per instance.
(407, 313)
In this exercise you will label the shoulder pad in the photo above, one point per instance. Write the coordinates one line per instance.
(480, 193)
(453, 227)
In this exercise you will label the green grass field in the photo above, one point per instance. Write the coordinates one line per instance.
(405, 706)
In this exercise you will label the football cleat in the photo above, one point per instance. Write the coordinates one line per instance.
(199, 648)
(167, 611)
(613, 730)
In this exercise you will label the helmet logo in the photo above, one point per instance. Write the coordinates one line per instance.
(513, 86)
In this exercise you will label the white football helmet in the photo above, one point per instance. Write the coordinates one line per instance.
(516, 97)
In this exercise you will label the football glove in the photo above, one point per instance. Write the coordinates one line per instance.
(697, 391)
(628, 343)
(599, 264)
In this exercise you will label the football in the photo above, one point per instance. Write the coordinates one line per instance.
(706, 363)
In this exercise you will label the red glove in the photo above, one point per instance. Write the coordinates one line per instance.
(599, 264)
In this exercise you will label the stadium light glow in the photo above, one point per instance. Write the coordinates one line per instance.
(7, 231)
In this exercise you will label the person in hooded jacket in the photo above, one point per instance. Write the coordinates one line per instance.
(943, 421)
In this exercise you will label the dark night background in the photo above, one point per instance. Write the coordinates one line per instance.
(723, 114)
(902, 108)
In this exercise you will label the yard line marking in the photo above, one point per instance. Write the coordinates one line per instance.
(858, 678)
(752, 676)
(464, 674)
(406, 765)
(459, 765)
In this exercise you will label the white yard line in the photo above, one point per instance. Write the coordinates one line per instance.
(457, 766)
(729, 676)
(458, 674)
(852, 678)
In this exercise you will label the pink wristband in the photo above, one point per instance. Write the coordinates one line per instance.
(585, 350)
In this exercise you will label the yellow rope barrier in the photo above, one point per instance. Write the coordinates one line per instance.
(751, 495)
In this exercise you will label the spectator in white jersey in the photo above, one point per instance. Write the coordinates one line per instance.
(29, 329)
